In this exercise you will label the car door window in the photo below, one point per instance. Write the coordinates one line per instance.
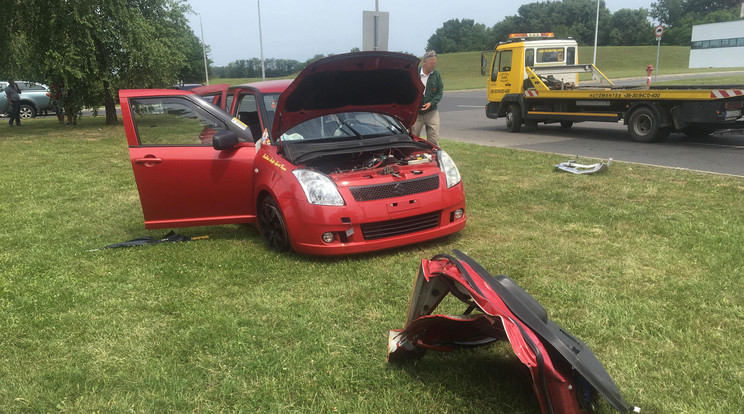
(173, 121)
(248, 113)
(495, 67)
(228, 103)
(505, 59)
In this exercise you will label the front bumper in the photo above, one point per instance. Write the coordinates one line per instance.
(366, 226)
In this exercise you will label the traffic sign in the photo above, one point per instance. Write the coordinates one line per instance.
(659, 30)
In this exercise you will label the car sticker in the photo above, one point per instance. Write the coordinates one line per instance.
(274, 162)
(239, 123)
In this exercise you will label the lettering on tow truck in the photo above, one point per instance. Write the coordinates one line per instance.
(626, 95)
(274, 162)
(645, 95)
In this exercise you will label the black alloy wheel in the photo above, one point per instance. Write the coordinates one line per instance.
(272, 226)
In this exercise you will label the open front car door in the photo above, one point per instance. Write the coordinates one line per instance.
(181, 178)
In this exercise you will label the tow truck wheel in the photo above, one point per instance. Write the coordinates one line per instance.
(272, 226)
(566, 124)
(643, 126)
(513, 118)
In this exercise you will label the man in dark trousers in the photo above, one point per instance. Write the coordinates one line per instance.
(428, 114)
(13, 92)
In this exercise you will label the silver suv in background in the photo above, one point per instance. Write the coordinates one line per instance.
(35, 99)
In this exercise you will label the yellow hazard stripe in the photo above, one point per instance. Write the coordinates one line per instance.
(571, 114)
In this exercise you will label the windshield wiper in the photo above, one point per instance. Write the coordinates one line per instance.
(348, 125)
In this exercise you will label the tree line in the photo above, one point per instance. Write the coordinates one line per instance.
(577, 19)
(251, 68)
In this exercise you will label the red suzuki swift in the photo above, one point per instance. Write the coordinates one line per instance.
(323, 164)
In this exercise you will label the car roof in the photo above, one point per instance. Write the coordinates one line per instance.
(270, 86)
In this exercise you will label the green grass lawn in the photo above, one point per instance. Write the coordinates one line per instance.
(643, 264)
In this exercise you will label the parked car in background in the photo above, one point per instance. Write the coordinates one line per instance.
(324, 164)
(35, 99)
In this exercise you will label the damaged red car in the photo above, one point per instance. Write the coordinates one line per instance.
(324, 164)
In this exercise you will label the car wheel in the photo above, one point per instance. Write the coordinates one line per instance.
(272, 226)
(27, 111)
(643, 126)
(566, 124)
(513, 118)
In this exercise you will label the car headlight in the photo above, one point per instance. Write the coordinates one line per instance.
(449, 168)
(319, 188)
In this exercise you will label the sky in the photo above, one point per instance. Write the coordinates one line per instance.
(301, 29)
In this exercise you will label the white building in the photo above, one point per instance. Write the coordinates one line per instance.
(717, 45)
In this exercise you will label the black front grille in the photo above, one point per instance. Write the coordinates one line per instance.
(389, 228)
(397, 189)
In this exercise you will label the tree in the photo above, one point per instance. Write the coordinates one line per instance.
(457, 35)
(94, 48)
(629, 27)
(678, 16)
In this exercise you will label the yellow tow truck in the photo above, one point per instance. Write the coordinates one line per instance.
(534, 78)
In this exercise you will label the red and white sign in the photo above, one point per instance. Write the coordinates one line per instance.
(659, 30)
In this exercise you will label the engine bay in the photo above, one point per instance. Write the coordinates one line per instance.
(375, 162)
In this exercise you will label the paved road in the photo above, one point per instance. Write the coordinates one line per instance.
(463, 119)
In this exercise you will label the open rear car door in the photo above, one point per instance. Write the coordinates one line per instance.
(182, 180)
(215, 94)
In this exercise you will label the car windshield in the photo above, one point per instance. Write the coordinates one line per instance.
(344, 126)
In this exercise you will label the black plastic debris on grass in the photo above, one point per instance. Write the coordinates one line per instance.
(171, 237)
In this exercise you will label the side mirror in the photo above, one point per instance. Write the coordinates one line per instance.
(223, 140)
(484, 63)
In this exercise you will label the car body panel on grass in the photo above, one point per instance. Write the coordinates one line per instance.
(320, 166)
(566, 376)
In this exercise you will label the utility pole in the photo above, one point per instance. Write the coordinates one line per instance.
(596, 31)
(204, 49)
(260, 41)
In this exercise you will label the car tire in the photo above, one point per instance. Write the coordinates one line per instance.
(643, 126)
(566, 124)
(272, 226)
(514, 118)
(27, 111)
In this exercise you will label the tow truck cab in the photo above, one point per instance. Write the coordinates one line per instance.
(508, 74)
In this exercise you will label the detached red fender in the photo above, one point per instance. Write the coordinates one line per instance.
(566, 376)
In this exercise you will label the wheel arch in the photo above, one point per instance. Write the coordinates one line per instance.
(517, 98)
(663, 114)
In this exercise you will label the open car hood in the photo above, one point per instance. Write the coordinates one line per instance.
(566, 375)
(382, 82)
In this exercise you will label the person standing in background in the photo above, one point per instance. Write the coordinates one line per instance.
(13, 92)
(433, 89)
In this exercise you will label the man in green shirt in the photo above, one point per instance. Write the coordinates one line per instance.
(428, 114)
